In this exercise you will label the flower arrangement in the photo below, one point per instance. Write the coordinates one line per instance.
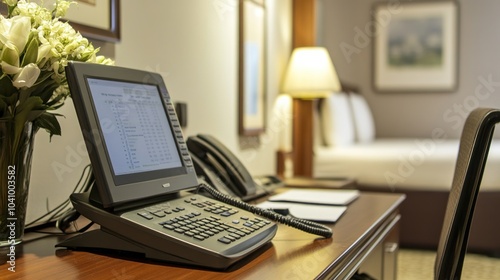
(35, 46)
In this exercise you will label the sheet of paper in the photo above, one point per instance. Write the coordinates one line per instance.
(312, 196)
(318, 213)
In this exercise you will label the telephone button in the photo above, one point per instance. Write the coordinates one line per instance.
(215, 230)
(184, 228)
(224, 240)
(219, 229)
(145, 215)
(235, 235)
(246, 231)
(261, 224)
(179, 230)
(248, 224)
(199, 237)
(159, 214)
(170, 227)
(240, 233)
(217, 211)
(230, 238)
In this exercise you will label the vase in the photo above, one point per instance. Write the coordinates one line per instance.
(15, 169)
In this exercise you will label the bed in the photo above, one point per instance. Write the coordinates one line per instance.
(421, 168)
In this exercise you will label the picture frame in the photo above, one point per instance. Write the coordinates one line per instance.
(104, 15)
(94, 19)
(415, 46)
(252, 70)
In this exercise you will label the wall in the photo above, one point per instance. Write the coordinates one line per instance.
(417, 114)
(194, 45)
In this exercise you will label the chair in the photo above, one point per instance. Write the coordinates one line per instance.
(474, 146)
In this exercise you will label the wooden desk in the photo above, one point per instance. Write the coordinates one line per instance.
(370, 222)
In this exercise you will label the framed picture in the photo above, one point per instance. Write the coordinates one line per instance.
(252, 59)
(94, 19)
(415, 47)
(98, 19)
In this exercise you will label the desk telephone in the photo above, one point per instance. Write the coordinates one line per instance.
(145, 177)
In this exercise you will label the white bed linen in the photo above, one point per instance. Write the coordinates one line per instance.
(421, 164)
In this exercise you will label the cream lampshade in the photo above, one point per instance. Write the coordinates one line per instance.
(310, 74)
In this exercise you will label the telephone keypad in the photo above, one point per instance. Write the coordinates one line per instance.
(210, 226)
(221, 223)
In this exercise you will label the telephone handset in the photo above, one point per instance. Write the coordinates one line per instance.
(220, 168)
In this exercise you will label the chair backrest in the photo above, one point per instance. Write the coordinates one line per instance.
(474, 147)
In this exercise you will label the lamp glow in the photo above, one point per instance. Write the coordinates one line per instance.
(310, 74)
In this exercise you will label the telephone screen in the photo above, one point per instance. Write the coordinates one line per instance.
(134, 125)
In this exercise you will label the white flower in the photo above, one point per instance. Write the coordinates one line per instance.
(35, 47)
(62, 8)
(19, 32)
(27, 76)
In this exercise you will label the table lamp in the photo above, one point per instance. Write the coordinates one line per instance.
(310, 75)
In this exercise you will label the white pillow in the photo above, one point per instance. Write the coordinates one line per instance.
(336, 120)
(363, 119)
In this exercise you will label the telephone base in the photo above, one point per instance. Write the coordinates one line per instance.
(101, 240)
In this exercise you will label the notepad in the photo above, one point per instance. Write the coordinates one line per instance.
(315, 196)
(318, 213)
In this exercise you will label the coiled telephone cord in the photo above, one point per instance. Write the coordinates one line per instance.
(301, 224)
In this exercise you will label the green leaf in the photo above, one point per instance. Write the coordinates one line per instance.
(49, 122)
(6, 85)
(45, 91)
(44, 76)
(21, 117)
(35, 114)
(31, 54)
(56, 100)
(11, 100)
(3, 109)
(24, 94)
